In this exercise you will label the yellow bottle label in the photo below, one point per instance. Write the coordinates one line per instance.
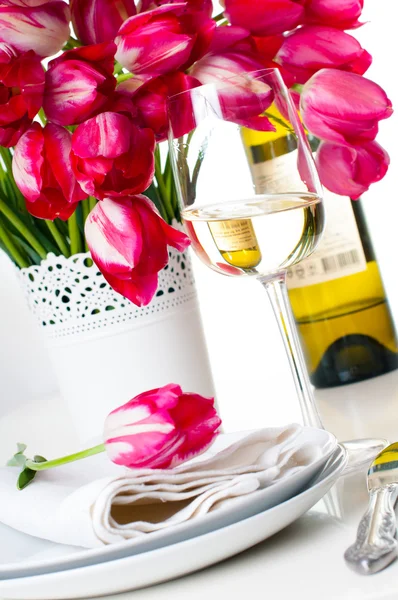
(233, 235)
(237, 242)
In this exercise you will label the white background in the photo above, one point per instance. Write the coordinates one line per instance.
(249, 366)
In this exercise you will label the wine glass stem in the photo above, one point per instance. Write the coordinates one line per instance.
(277, 293)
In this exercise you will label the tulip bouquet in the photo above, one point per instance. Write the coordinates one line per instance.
(158, 429)
(83, 109)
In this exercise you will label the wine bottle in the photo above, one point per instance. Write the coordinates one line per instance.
(337, 294)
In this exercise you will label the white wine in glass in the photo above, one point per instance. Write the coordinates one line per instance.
(259, 236)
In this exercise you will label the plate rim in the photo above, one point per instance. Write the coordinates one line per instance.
(325, 482)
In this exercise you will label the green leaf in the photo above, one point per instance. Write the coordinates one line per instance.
(25, 478)
(39, 459)
(18, 460)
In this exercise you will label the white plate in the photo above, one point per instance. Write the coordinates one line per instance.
(27, 556)
(175, 560)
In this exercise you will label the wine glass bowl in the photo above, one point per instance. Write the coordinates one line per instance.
(241, 223)
(233, 219)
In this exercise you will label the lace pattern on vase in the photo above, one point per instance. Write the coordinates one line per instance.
(69, 296)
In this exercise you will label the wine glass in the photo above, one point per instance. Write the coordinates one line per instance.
(240, 222)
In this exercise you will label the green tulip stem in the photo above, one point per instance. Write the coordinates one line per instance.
(7, 158)
(12, 248)
(57, 462)
(162, 187)
(61, 243)
(118, 68)
(279, 121)
(72, 43)
(5, 154)
(42, 116)
(85, 212)
(92, 202)
(23, 230)
(219, 17)
(74, 235)
(124, 77)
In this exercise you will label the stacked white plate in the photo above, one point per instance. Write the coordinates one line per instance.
(35, 569)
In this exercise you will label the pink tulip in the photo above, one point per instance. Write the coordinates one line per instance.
(150, 100)
(161, 428)
(79, 83)
(43, 29)
(28, 3)
(349, 170)
(268, 46)
(266, 49)
(343, 107)
(241, 100)
(311, 48)
(204, 6)
(96, 21)
(162, 40)
(265, 17)
(42, 171)
(21, 93)
(128, 242)
(342, 14)
(112, 157)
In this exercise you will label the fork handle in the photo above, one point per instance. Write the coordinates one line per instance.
(376, 545)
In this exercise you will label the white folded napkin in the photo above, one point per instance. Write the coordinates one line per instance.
(94, 502)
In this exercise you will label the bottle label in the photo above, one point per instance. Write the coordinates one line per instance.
(340, 251)
(233, 235)
(278, 175)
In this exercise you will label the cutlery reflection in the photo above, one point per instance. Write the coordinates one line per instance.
(376, 544)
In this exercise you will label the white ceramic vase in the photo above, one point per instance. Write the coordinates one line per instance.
(104, 349)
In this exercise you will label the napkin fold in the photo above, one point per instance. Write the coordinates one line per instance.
(94, 502)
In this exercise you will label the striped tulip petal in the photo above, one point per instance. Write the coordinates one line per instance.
(43, 29)
(160, 428)
(128, 242)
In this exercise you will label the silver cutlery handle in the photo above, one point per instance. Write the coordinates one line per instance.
(376, 545)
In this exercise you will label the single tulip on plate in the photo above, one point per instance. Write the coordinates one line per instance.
(343, 107)
(342, 14)
(311, 48)
(349, 170)
(161, 428)
(42, 172)
(128, 242)
(43, 29)
(265, 17)
(21, 92)
(112, 157)
(79, 83)
(96, 21)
